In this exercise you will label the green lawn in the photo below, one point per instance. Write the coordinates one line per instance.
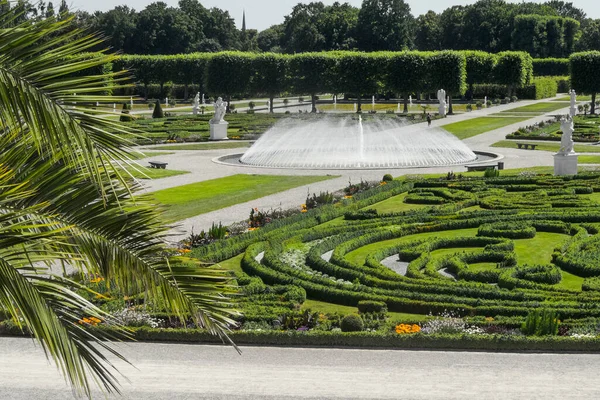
(147, 153)
(549, 146)
(153, 173)
(198, 198)
(589, 159)
(579, 98)
(205, 146)
(476, 126)
(395, 204)
(538, 108)
(330, 308)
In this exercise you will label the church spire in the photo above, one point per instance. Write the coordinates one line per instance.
(244, 21)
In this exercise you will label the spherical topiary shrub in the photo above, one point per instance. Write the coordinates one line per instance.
(352, 323)
(387, 178)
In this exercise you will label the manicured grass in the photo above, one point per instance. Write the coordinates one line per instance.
(568, 98)
(197, 198)
(366, 107)
(504, 172)
(205, 146)
(359, 255)
(153, 173)
(148, 153)
(232, 264)
(476, 126)
(549, 146)
(395, 204)
(538, 108)
(589, 159)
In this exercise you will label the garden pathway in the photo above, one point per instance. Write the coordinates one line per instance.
(202, 167)
(187, 371)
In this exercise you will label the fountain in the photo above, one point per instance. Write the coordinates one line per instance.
(351, 143)
(373, 103)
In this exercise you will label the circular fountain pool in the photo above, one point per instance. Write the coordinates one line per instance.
(348, 143)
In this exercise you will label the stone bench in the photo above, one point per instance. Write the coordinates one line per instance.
(158, 164)
(483, 167)
(526, 146)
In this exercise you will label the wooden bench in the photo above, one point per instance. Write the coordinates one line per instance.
(526, 146)
(483, 167)
(158, 164)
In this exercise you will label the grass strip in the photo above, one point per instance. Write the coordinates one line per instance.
(186, 201)
(477, 126)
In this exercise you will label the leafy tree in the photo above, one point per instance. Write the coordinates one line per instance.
(229, 73)
(428, 31)
(64, 201)
(269, 75)
(590, 36)
(567, 10)
(385, 25)
(452, 21)
(584, 74)
(480, 67)
(162, 30)
(338, 25)
(270, 39)
(120, 25)
(406, 74)
(311, 73)
(447, 70)
(513, 69)
(301, 28)
(359, 73)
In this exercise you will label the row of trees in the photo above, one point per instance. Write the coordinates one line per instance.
(241, 73)
(552, 29)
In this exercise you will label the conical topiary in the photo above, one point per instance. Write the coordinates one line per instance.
(158, 111)
(125, 116)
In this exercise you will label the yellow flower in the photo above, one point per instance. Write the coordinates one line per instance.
(403, 329)
(347, 197)
(97, 280)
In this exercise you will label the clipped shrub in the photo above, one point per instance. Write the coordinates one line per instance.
(540, 88)
(158, 111)
(550, 66)
(368, 306)
(295, 294)
(125, 115)
(352, 323)
(387, 178)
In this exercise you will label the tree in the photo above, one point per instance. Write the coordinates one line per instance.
(65, 201)
(158, 111)
(312, 73)
(384, 25)
(162, 30)
(447, 70)
(119, 24)
(269, 75)
(359, 74)
(270, 39)
(428, 32)
(590, 36)
(406, 74)
(584, 74)
(567, 10)
(229, 73)
(301, 28)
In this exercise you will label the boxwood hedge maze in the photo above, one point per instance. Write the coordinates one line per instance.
(498, 249)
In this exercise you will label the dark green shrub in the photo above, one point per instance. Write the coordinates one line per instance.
(550, 67)
(387, 178)
(591, 284)
(491, 172)
(158, 111)
(295, 294)
(541, 323)
(352, 323)
(368, 306)
(125, 116)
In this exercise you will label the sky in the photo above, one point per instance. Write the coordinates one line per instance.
(260, 14)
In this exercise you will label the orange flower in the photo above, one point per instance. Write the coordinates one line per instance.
(96, 280)
(403, 329)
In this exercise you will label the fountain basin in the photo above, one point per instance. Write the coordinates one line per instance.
(348, 143)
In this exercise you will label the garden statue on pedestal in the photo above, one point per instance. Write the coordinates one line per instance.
(565, 161)
(218, 126)
(573, 108)
(196, 104)
(441, 96)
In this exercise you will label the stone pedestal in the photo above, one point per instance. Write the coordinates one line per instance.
(565, 164)
(442, 110)
(573, 111)
(218, 131)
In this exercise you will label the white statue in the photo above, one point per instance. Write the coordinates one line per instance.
(573, 109)
(220, 108)
(441, 96)
(131, 101)
(196, 104)
(203, 100)
(166, 102)
(566, 140)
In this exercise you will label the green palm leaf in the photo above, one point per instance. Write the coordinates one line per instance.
(63, 200)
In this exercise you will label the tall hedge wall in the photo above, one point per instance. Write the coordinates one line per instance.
(550, 66)
(237, 73)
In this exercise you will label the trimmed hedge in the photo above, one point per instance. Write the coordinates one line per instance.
(541, 88)
(550, 66)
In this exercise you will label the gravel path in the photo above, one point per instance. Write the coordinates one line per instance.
(187, 371)
(399, 267)
(201, 167)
